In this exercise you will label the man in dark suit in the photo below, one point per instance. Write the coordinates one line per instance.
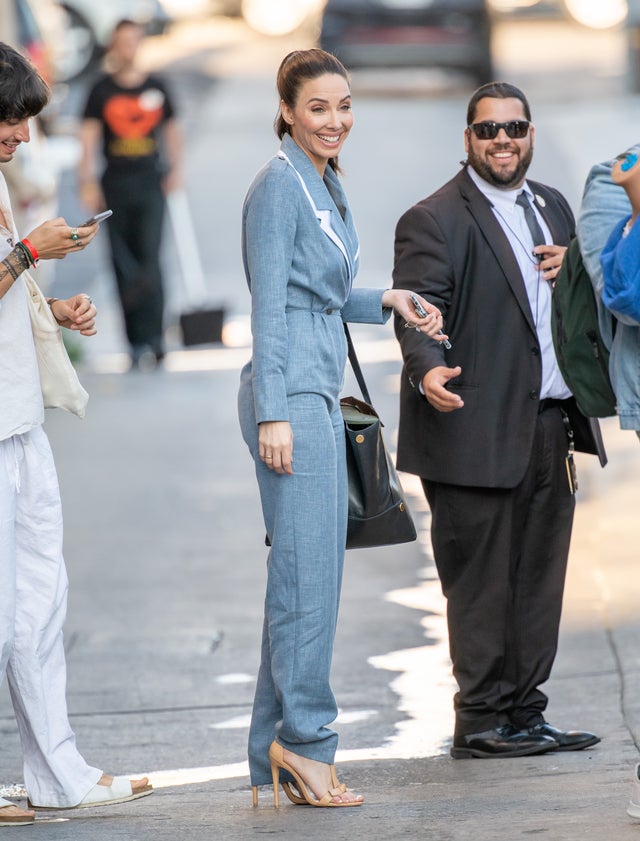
(485, 425)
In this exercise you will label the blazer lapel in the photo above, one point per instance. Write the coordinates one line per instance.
(494, 236)
(341, 231)
(548, 213)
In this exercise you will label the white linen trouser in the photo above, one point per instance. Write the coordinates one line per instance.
(33, 603)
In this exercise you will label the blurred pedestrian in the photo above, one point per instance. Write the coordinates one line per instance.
(485, 425)
(129, 116)
(33, 579)
(300, 252)
(609, 207)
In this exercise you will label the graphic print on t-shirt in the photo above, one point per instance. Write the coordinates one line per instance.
(132, 119)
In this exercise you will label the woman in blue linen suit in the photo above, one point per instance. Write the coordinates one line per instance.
(300, 253)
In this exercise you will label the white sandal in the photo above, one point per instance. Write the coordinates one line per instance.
(13, 820)
(120, 791)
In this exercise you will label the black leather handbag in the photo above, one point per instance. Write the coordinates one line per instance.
(378, 511)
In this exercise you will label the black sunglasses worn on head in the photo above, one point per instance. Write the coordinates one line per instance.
(488, 130)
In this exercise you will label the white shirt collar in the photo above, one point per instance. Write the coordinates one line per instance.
(497, 196)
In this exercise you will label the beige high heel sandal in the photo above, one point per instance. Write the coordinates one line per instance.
(289, 789)
(276, 759)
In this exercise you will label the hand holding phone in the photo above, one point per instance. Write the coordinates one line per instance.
(95, 220)
(421, 311)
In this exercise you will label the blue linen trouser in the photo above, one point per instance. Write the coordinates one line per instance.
(306, 519)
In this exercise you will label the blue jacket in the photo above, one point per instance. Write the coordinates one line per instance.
(300, 281)
(620, 261)
(604, 205)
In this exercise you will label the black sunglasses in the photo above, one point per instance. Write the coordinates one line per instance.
(515, 129)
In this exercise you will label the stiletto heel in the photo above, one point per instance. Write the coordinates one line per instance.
(254, 792)
(277, 761)
(275, 774)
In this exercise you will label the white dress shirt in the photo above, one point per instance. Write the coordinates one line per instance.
(511, 219)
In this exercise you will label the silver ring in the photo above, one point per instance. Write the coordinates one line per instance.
(88, 298)
(74, 234)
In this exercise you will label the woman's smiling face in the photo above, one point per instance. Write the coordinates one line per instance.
(321, 118)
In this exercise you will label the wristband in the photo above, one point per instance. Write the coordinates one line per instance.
(31, 260)
(32, 250)
(28, 256)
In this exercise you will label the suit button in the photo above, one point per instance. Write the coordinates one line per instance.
(535, 351)
(534, 395)
(329, 312)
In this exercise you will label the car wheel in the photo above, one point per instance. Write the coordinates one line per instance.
(82, 49)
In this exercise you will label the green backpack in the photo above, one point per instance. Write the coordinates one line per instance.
(582, 355)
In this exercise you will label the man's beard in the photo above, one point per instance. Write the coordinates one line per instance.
(506, 179)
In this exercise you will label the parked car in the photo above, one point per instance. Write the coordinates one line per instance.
(89, 26)
(451, 34)
(595, 14)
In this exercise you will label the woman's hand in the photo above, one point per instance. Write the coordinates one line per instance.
(54, 239)
(400, 300)
(275, 445)
(77, 313)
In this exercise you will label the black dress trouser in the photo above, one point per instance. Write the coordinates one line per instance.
(135, 237)
(501, 555)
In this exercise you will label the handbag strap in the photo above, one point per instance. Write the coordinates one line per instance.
(357, 370)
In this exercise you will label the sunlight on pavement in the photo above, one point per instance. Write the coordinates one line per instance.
(424, 686)
(422, 675)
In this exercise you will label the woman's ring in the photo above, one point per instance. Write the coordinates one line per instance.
(77, 242)
(88, 298)
(74, 234)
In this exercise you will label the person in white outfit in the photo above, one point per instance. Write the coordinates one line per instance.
(33, 579)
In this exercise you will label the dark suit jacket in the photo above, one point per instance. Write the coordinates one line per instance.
(451, 249)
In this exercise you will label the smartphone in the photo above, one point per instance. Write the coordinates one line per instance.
(95, 220)
(421, 311)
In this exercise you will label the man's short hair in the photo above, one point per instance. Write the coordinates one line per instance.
(496, 90)
(23, 91)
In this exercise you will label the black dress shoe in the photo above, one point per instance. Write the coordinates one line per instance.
(504, 741)
(566, 739)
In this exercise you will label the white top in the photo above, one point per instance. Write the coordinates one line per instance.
(21, 406)
(512, 221)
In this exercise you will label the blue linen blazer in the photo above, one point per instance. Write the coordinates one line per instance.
(300, 282)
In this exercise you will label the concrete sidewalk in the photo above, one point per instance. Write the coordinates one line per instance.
(163, 542)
